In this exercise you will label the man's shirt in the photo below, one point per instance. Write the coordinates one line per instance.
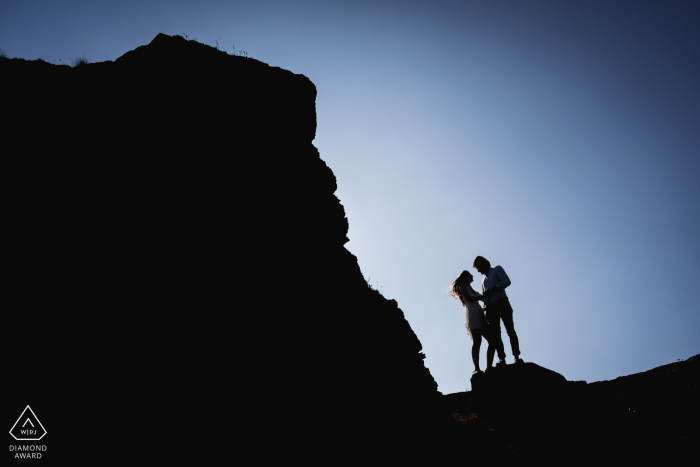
(498, 280)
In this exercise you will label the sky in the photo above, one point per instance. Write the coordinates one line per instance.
(560, 140)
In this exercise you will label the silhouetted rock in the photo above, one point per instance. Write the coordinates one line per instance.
(178, 257)
(544, 417)
(656, 413)
(528, 377)
(521, 398)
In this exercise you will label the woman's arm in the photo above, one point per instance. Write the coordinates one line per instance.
(471, 298)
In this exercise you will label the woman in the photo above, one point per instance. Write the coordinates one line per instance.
(477, 326)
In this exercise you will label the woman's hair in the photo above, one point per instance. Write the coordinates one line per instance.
(461, 281)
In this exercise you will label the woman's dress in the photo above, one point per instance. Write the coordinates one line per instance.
(476, 320)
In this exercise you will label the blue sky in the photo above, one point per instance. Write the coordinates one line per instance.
(557, 139)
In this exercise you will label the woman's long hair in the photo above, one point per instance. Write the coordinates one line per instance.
(455, 288)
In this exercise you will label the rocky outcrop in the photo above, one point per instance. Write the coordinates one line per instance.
(535, 414)
(178, 257)
(527, 403)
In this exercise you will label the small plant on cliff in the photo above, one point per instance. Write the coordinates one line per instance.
(378, 289)
(238, 53)
(468, 418)
(79, 61)
(219, 46)
(3, 54)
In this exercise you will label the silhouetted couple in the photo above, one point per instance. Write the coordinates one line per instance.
(486, 322)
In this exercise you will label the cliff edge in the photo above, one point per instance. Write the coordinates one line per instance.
(178, 260)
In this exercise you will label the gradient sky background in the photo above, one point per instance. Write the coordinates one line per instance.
(560, 140)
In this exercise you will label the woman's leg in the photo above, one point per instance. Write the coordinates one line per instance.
(476, 346)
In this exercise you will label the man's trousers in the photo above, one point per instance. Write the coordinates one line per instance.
(495, 312)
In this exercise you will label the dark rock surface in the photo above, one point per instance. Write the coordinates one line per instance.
(179, 284)
(541, 416)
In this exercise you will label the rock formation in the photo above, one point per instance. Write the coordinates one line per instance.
(178, 264)
(540, 416)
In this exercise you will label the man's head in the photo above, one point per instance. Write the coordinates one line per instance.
(481, 264)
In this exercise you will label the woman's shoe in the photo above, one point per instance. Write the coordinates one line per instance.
(476, 372)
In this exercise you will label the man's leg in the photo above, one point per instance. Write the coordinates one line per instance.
(506, 314)
(495, 342)
(491, 349)
(476, 345)
(490, 352)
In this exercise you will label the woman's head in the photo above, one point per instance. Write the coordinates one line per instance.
(463, 280)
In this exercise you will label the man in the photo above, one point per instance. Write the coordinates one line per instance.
(497, 306)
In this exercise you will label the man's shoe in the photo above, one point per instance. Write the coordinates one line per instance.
(501, 363)
(518, 360)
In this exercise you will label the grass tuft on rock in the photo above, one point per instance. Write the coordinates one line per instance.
(78, 61)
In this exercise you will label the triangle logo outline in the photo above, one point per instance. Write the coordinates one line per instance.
(21, 417)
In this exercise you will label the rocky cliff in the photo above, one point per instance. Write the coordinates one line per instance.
(179, 282)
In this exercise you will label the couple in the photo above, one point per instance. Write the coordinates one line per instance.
(497, 308)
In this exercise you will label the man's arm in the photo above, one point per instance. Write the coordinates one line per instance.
(503, 279)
